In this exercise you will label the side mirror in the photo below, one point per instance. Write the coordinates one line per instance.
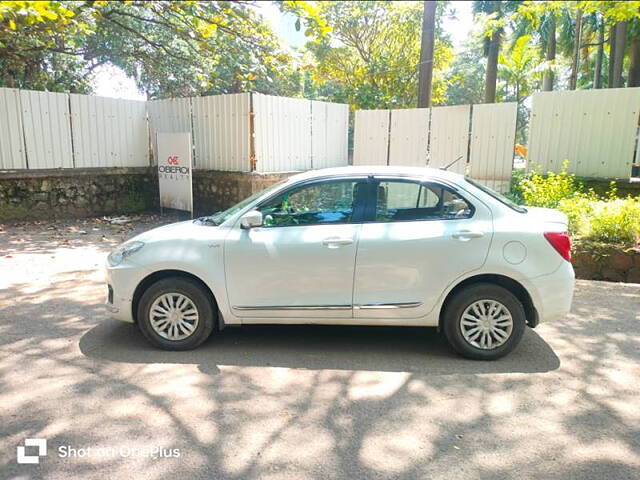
(251, 219)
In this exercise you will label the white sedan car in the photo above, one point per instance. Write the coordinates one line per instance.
(352, 246)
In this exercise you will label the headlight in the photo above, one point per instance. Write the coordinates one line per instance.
(123, 251)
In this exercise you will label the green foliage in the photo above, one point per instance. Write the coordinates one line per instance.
(518, 67)
(605, 219)
(616, 221)
(39, 44)
(370, 57)
(548, 190)
(170, 48)
(466, 76)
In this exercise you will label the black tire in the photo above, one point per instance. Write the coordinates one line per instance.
(467, 297)
(206, 311)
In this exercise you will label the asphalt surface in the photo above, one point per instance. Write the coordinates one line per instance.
(299, 402)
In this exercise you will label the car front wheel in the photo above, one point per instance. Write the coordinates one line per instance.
(176, 314)
(484, 321)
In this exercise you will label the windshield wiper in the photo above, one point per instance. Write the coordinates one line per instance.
(208, 219)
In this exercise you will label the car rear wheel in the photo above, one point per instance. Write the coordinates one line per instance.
(176, 314)
(484, 321)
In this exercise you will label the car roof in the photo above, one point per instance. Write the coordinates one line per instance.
(384, 170)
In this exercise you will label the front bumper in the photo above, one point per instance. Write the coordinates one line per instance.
(121, 285)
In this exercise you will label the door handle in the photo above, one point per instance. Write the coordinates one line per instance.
(465, 235)
(336, 242)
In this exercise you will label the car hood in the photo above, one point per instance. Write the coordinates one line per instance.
(177, 231)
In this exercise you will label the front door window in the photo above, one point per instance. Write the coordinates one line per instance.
(318, 203)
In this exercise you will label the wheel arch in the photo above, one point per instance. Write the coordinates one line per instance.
(152, 278)
(515, 287)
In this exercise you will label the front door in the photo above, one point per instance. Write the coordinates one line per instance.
(423, 237)
(300, 263)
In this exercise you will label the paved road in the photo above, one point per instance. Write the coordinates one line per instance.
(301, 402)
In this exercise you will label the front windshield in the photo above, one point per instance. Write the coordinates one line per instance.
(220, 217)
(498, 196)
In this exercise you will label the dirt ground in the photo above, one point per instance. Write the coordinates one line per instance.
(299, 402)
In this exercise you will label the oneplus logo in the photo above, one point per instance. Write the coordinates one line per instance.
(41, 443)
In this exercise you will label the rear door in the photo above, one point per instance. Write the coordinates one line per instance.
(421, 236)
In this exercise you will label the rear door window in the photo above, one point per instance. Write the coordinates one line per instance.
(398, 201)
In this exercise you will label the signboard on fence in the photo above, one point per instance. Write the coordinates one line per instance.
(174, 171)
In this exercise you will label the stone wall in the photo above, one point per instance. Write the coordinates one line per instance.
(42, 194)
(214, 191)
(624, 187)
(607, 263)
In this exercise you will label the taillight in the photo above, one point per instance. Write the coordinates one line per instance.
(561, 242)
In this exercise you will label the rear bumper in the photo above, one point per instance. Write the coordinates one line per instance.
(552, 294)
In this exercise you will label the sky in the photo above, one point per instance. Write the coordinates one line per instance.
(110, 81)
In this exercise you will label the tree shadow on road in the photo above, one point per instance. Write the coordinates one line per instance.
(318, 402)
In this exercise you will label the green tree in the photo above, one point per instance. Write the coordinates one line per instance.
(495, 16)
(466, 76)
(370, 57)
(519, 68)
(591, 35)
(170, 48)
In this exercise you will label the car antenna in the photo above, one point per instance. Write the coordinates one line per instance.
(446, 167)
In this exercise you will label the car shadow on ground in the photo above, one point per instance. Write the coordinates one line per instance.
(392, 349)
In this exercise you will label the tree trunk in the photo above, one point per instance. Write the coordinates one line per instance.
(597, 71)
(634, 63)
(612, 53)
(618, 60)
(425, 69)
(547, 79)
(492, 69)
(573, 78)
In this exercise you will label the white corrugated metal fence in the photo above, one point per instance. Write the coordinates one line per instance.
(60, 130)
(595, 130)
(329, 134)
(438, 136)
(296, 134)
(172, 115)
(493, 135)
(12, 153)
(371, 137)
(449, 137)
(409, 137)
(109, 132)
(47, 129)
(221, 132)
